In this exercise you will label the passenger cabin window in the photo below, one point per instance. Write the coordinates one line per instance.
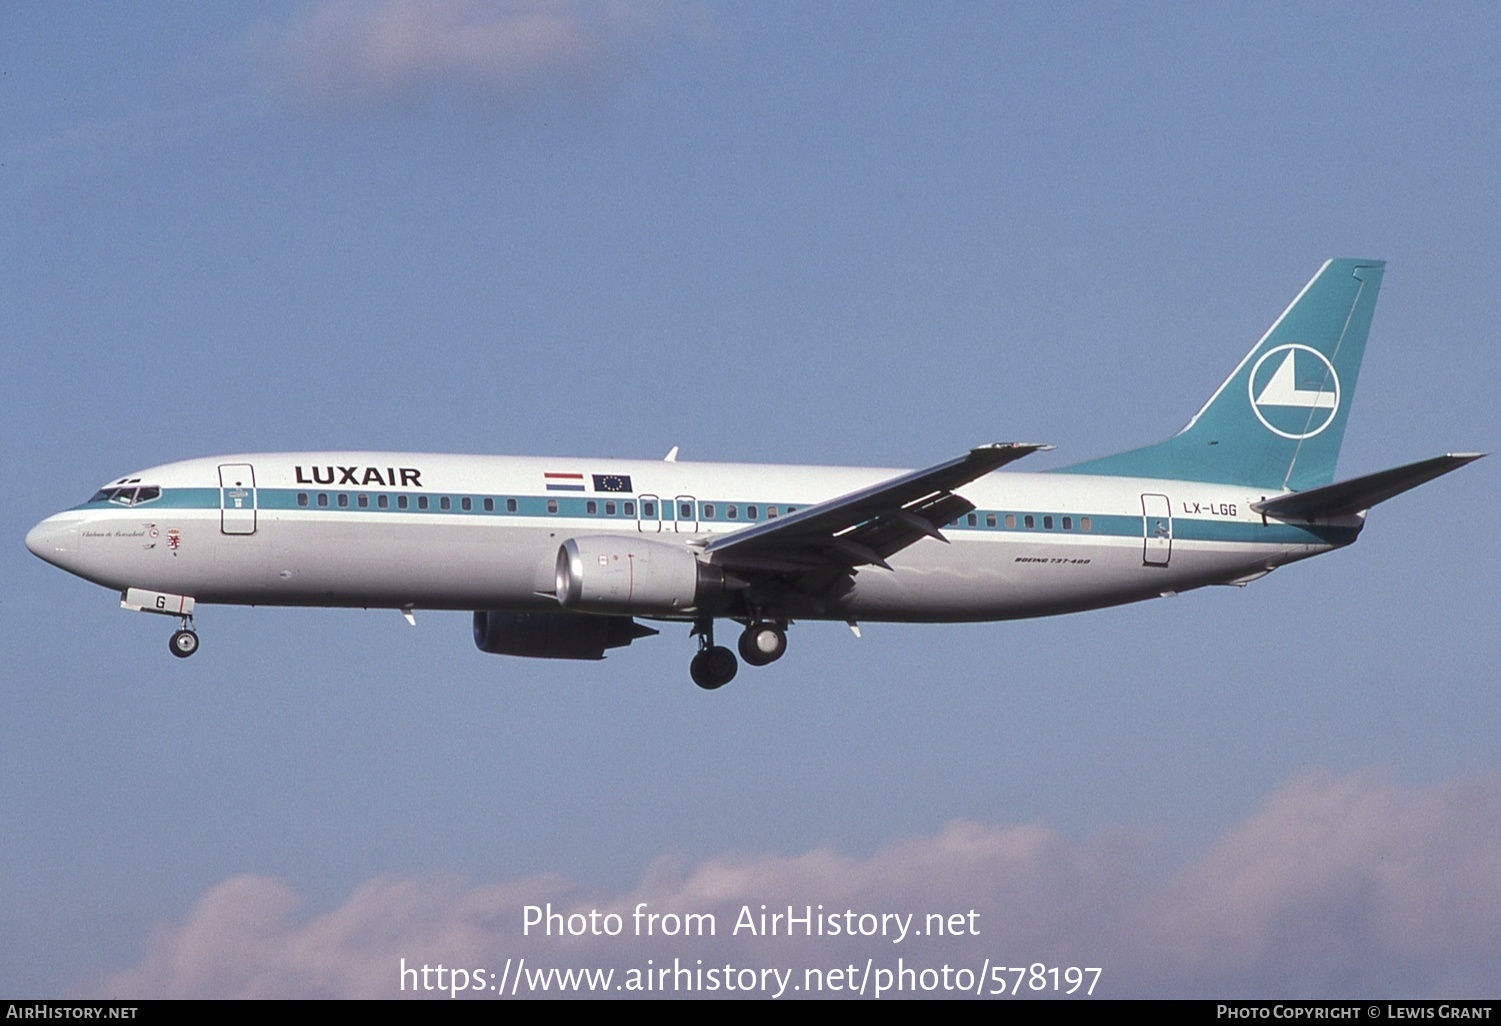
(422, 502)
(364, 502)
(685, 511)
(609, 509)
(510, 505)
(972, 520)
(1029, 522)
(708, 511)
(444, 503)
(1047, 523)
(302, 498)
(1084, 524)
(343, 500)
(591, 507)
(649, 510)
(733, 512)
(1010, 519)
(489, 505)
(630, 509)
(401, 502)
(383, 501)
(1068, 523)
(323, 498)
(989, 519)
(771, 512)
(466, 503)
(750, 513)
(552, 505)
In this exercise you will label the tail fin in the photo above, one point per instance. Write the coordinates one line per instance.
(1278, 420)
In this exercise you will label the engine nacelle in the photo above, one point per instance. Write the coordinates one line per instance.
(554, 635)
(626, 574)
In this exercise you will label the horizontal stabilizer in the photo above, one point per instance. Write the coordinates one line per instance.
(1361, 493)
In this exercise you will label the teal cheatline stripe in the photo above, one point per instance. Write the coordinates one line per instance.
(535, 507)
(1114, 526)
(1271, 534)
(171, 498)
(1278, 420)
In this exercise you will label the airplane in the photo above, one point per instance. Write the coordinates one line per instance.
(561, 558)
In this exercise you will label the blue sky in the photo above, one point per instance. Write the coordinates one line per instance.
(834, 233)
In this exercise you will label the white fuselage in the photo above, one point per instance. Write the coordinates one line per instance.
(405, 530)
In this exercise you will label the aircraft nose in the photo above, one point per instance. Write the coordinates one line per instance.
(53, 539)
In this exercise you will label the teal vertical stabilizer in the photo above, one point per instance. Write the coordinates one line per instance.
(1278, 420)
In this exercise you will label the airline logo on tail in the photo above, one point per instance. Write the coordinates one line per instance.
(1294, 391)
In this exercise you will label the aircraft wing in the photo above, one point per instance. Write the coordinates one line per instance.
(1361, 493)
(867, 525)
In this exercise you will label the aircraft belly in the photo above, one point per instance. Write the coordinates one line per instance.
(1005, 579)
(993, 579)
(449, 566)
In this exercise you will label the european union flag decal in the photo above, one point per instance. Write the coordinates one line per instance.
(612, 482)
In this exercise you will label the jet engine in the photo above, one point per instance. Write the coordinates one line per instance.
(554, 635)
(624, 574)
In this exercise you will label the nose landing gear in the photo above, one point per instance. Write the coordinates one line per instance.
(185, 641)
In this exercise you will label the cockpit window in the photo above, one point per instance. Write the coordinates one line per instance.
(128, 496)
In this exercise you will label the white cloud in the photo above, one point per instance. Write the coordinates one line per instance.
(1336, 886)
(346, 54)
(1349, 881)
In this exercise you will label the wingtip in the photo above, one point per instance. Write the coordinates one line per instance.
(1029, 446)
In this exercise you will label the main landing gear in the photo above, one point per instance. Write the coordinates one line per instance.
(715, 665)
(185, 641)
(761, 643)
